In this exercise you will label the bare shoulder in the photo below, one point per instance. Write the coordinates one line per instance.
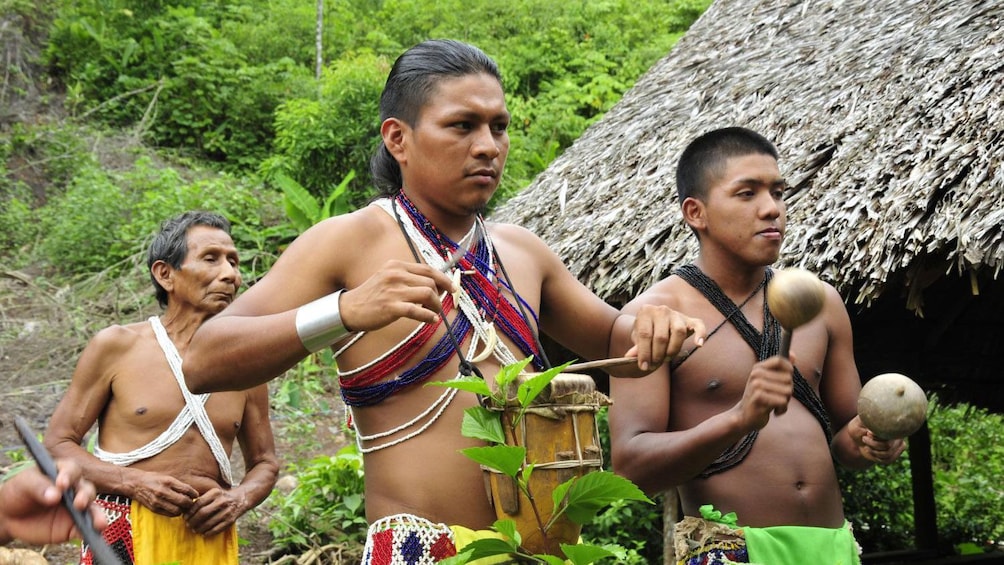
(671, 291)
(358, 225)
(120, 337)
(316, 263)
(514, 234)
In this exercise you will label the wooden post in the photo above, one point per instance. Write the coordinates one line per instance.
(925, 516)
(670, 516)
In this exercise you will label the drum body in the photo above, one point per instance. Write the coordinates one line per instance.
(561, 437)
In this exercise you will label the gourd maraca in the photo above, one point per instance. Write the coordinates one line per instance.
(892, 406)
(794, 296)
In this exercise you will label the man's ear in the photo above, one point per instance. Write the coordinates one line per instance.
(694, 213)
(393, 130)
(163, 274)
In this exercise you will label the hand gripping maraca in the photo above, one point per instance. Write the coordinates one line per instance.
(892, 406)
(794, 296)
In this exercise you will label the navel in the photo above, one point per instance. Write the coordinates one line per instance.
(141, 410)
(714, 384)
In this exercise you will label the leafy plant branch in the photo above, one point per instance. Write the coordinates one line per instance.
(579, 498)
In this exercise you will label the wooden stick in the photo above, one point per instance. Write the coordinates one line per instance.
(600, 363)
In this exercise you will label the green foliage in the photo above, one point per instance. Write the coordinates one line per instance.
(172, 76)
(579, 499)
(225, 80)
(968, 461)
(325, 507)
(321, 139)
(968, 458)
(104, 218)
(634, 526)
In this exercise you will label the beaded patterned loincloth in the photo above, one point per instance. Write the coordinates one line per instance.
(404, 539)
(118, 534)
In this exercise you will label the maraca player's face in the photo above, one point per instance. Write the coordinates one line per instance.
(745, 212)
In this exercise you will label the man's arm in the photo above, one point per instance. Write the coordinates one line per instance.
(581, 321)
(853, 446)
(87, 396)
(217, 509)
(255, 339)
(656, 459)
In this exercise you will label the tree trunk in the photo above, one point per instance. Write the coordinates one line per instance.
(319, 62)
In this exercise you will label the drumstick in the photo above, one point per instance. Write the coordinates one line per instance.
(103, 554)
(600, 363)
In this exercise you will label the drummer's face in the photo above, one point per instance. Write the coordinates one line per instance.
(458, 146)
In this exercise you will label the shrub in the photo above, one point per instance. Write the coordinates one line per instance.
(326, 507)
(102, 219)
(967, 446)
(320, 141)
(634, 525)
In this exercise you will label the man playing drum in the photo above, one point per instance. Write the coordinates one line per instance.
(377, 284)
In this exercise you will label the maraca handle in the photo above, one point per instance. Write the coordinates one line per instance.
(785, 343)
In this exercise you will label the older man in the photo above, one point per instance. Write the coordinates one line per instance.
(162, 460)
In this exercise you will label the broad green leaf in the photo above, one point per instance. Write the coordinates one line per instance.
(550, 559)
(329, 209)
(489, 547)
(507, 528)
(461, 558)
(592, 492)
(527, 471)
(558, 494)
(301, 207)
(503, 458)
(482, 423)
(509, 373)
(584, 554)
(529, 389)
(476, 385)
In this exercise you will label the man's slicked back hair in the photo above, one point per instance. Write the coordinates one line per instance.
(412, 80)
(704, 158)
(170, 245)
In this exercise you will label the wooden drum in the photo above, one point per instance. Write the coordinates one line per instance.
(561, 437)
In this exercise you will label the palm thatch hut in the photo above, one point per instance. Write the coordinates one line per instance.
(890, 123)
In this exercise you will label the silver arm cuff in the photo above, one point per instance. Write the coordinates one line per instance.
(319, 323)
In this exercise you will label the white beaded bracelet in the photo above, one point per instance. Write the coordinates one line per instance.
(319, 323)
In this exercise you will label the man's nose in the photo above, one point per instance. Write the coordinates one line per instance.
(486, 143)
(231, 273)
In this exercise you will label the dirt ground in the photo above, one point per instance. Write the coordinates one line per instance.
(43, 330)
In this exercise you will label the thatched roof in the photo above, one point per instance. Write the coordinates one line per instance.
(888, 116)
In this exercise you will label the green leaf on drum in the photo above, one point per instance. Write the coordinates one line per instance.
(509, 373)
(502, 458)
(476, 385)
(482, 423)
(531, 388)
(507, 528)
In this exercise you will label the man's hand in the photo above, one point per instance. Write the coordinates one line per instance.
(164, 494)
(880, 451)
(768, 389)
(398, 290)
(215, 510)
(659, 333)
(31, 505)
